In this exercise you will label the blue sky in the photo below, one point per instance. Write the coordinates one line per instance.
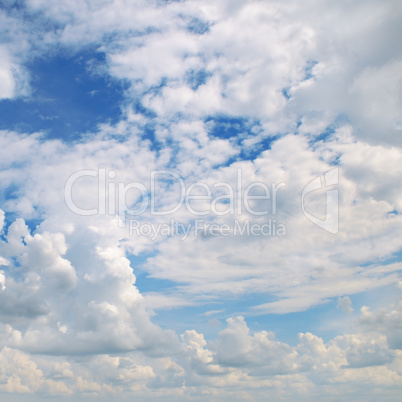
(69, 97)
(200, 200)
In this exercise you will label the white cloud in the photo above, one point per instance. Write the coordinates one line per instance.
(86, 306)
(239, 362)
(388, 322)
(20, 374)
(235, 347)
(12, 76)
(345, 304)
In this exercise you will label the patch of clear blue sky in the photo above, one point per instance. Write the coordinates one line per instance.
(195, 78)
(393, 258)
(309, 69)
(70, 95)
(236, 129)
(198, 26)
(221, 126)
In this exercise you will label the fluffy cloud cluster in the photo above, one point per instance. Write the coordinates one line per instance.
(90, 306)
(238, 364)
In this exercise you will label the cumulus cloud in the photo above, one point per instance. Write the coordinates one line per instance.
(309, 365)
(345, 304)
(239, 363)
(12, 77)
(72, 308)
(384, 321)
